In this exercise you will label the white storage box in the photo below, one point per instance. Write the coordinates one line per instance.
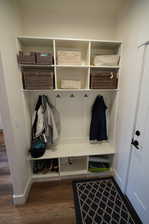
(68, 57)
(109, 60)
(70, 84)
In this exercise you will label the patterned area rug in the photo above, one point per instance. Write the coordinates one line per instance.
(100, 201)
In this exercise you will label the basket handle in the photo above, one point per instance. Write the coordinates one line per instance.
(111, 77)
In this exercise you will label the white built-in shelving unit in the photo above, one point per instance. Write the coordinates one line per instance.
(74, 105)
(88, 49)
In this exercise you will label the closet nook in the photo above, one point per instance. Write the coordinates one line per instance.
(80, 71)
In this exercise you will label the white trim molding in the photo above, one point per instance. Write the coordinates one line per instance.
(118, 180)
(21, 199)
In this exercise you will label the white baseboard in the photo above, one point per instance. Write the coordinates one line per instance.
(73, 176)
(22, 198)
(118, 180)
(42, 179)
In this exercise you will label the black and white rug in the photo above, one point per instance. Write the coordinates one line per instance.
(100, 201)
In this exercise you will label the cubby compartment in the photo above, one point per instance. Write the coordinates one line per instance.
(42, 48)
(71, 52)
(104, 78)
(45, 168)
(75, 78)
(99, 163)
(38, 78)
(108, 52)
(73, 165)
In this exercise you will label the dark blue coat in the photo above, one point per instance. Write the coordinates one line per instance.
(98, 127)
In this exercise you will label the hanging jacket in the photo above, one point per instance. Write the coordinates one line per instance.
(45, 121)
(52, 122)
(98, 126)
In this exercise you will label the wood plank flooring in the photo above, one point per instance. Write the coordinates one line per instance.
(1, 138)
(48, 203)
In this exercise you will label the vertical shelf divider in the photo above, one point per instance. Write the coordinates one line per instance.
(59, 166)
(120, 51)
(87, 163)
(89, 67)
(55, 71)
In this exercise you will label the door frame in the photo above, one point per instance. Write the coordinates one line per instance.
(143, 45)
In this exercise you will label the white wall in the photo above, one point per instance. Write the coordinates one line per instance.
(95, 19)
(132, 29)
(11, 99)
(1, 123)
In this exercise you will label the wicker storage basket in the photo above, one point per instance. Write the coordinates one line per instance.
(34, 79)
(44, 58)
(28, 58)
(103, 80)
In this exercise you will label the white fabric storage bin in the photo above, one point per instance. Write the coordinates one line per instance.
(68, 57)
(70, 84)
(109, 60)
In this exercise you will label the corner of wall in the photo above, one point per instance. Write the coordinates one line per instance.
(20, 199)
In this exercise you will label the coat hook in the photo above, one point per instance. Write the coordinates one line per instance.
(72, 95)
(85, 95)
(58, 96)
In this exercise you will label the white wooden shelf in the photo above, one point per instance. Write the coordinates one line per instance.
(70, 90)
(72, 66)
(77, 149)
(103, 173)
(69, 66)
(105, 90)
(57, 176)
(75, 172)
(36, 66)
(105, 66)
(32, 39)
(49, 174)
(37, 90)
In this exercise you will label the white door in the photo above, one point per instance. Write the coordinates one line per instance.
(138, 178)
